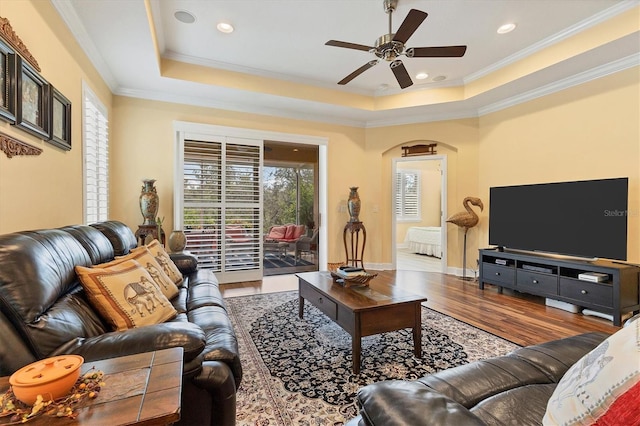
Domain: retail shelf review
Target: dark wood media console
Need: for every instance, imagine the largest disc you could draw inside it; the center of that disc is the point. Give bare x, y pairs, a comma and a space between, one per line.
557, 279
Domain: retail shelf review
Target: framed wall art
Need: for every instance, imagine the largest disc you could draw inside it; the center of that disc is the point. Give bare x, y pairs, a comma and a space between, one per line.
32, 100
60, 120
7, 83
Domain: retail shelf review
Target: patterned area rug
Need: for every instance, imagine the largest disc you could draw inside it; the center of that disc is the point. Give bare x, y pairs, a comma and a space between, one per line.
298, 371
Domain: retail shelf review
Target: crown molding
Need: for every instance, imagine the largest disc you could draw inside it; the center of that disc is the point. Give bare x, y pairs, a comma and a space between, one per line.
565, 83
605, 15
71, 18
228, 106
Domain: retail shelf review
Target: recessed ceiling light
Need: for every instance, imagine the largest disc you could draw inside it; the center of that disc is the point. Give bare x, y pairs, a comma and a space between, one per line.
224, 27
439, 78
184, 16
422, 75
295, 149
383, 87
506, 28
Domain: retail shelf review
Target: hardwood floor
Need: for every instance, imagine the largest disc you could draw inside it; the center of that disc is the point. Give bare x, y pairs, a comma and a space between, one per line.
520, 318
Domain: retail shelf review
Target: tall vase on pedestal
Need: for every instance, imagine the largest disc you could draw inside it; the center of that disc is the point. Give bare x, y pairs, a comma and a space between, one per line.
149, 202
353, 204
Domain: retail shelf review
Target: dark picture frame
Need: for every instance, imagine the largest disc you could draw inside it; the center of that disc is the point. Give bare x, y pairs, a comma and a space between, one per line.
7, 83
32, 100
59, 120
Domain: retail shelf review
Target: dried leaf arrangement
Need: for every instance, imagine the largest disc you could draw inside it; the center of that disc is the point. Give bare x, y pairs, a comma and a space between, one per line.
86, 388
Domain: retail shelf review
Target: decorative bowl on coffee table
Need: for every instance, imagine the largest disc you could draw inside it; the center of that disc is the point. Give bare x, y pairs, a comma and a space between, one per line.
362, 279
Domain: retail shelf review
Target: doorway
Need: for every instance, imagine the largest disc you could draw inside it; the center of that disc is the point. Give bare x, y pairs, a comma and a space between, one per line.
290, 197
419, 213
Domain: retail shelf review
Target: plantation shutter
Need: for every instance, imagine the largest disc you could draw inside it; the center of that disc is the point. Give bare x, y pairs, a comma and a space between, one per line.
95, 128
222, 206
408, 198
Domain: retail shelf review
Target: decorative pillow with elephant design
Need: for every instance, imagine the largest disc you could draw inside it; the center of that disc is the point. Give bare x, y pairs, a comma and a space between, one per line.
126, 296
143, 256
164, 260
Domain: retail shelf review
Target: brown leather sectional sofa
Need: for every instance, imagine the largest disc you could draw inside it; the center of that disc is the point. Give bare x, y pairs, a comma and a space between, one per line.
44, 312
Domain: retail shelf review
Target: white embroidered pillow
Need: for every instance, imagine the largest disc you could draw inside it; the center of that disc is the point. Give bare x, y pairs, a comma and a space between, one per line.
603, 386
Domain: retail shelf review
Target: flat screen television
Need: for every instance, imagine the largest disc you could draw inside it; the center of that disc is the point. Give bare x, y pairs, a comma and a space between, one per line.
585, 219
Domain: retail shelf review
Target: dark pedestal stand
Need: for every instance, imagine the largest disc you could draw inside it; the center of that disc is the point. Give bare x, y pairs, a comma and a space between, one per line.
149, 230
464, 256
352, 246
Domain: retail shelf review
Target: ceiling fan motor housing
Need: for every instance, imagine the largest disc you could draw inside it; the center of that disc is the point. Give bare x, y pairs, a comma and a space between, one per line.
387, 48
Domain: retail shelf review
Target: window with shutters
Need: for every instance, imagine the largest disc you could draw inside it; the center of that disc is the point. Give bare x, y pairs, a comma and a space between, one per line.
95, 143
222, 203
408, 195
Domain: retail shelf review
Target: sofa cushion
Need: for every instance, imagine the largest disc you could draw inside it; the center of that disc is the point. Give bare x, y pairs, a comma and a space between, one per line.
603, 387
291, 229
126, 297
120, 235
277, 232
165, 261
403, 403
143, 256
58, 311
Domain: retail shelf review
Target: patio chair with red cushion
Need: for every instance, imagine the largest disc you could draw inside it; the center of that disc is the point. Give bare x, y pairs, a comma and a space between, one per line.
289, 233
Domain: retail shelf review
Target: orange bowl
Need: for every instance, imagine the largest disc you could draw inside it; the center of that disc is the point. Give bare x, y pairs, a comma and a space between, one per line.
52, 378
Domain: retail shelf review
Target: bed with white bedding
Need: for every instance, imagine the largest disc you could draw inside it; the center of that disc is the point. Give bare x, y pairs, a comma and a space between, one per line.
424, 240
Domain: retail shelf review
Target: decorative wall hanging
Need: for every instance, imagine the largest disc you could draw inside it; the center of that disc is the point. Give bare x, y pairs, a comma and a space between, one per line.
32, 100
27, 100
423, 149
8, 35
60, 120
12, 147
7, 83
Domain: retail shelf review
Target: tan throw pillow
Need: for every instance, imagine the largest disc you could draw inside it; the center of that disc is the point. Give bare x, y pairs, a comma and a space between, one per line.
144, 257
126, 297
165, 261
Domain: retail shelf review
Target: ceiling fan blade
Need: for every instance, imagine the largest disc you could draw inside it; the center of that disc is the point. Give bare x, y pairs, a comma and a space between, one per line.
401, 74
357, 72
347, 45
437, 52
409, 25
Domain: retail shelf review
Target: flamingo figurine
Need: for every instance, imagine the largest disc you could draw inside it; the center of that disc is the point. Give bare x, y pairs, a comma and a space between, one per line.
467, 219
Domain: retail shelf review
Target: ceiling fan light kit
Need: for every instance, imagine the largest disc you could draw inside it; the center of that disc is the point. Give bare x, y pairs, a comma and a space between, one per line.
390, 46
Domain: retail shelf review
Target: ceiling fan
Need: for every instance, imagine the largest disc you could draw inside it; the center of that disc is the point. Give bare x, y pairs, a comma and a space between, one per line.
392, 45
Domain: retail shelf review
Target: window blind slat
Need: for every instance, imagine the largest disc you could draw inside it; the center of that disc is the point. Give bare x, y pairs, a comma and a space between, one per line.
96, 157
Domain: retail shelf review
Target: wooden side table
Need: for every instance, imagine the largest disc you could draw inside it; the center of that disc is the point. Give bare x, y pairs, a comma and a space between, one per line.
352, 246
141, 389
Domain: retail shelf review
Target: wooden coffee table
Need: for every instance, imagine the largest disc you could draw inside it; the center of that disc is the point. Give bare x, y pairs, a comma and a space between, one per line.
141, 389
381, 307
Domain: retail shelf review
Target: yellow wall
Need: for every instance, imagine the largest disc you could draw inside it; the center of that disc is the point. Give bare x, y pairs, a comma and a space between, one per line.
46, 190
589, 131
143, 146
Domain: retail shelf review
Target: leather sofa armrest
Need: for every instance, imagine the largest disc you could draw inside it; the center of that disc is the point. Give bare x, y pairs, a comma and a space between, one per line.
185, 261
188, 336
403, 403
